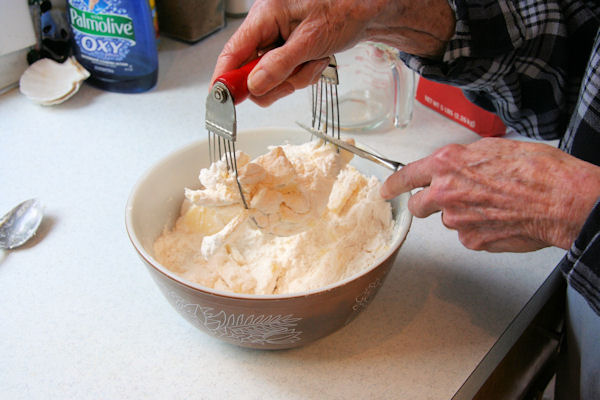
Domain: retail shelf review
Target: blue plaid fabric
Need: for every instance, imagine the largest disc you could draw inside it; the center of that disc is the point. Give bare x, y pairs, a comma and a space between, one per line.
536, 65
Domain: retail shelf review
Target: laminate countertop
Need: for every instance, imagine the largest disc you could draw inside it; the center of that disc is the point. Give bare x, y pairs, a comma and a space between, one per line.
81, 318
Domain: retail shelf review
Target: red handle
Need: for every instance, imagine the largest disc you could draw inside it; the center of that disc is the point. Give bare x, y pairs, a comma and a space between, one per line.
237, 81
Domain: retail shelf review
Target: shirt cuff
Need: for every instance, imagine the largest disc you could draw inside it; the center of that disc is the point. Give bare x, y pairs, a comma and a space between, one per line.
581, 265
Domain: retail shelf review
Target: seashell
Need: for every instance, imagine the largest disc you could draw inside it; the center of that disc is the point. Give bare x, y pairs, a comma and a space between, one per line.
48, 82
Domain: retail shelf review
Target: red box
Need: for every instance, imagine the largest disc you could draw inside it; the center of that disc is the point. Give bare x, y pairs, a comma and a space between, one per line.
452, 103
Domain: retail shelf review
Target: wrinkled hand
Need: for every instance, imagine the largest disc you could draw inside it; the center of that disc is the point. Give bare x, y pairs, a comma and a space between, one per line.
502, 195
305, 32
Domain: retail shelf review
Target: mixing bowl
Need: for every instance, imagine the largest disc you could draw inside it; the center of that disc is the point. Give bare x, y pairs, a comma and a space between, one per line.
256, 321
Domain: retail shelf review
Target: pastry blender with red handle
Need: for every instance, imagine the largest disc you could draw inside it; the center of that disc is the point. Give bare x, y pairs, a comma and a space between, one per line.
231, 88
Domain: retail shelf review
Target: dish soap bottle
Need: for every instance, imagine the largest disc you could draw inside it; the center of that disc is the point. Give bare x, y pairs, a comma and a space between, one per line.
115, 41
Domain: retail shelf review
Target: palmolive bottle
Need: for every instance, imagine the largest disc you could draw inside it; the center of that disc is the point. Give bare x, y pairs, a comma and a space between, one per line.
115, 41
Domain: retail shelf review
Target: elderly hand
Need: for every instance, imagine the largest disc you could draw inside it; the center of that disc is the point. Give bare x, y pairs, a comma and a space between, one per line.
305, 32
502, 195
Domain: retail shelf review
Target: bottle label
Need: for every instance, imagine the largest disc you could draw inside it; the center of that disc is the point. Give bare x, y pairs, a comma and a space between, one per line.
103, 32
114, 26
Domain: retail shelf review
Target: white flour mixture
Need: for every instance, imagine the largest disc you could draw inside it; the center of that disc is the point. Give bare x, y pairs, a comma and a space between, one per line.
328, 219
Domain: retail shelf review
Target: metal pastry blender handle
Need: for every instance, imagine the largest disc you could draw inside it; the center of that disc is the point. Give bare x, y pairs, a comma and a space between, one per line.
236, 81
228, 90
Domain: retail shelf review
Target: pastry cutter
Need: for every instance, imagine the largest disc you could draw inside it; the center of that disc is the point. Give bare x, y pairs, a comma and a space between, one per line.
231, 88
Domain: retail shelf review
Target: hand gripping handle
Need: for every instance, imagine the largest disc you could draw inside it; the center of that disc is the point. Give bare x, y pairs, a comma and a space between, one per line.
237, 81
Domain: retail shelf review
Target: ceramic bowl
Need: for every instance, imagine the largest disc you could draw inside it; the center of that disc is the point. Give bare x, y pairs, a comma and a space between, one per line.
256, 321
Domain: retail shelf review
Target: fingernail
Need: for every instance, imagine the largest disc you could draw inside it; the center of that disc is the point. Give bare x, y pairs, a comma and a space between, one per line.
258, 82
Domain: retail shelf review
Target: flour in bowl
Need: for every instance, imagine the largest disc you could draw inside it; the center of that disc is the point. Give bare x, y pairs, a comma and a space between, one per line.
320, 220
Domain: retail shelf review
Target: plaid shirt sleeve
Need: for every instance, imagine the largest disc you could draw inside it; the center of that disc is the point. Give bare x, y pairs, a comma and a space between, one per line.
536, 64
523, 60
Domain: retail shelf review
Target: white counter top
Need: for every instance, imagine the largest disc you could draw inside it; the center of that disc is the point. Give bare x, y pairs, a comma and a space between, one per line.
81, 318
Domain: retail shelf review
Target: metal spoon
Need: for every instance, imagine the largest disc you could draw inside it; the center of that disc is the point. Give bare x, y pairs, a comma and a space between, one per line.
20, 224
